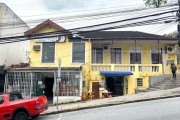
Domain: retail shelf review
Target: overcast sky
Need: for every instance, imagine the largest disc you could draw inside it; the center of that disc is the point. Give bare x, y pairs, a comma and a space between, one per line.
38, 10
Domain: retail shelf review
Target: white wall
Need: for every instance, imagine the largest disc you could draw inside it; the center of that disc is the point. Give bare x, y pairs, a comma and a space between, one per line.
12, 53
66, 99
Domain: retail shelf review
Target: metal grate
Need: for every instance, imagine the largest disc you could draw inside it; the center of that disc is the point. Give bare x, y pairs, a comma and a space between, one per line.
21, 82
139, 82
70, 84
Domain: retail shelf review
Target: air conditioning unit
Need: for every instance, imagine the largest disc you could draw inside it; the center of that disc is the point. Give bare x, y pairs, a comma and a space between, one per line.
36, 47
170, 49
106, 47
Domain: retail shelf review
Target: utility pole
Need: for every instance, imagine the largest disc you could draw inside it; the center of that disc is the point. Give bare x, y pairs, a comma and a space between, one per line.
58, 80
178, 15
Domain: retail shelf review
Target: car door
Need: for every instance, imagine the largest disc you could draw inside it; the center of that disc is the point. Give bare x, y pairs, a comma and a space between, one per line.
3, 109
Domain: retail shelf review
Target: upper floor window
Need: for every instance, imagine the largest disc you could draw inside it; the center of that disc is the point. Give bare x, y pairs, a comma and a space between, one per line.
135, 55
156, 55
97, 55
78, 53
48, 52
116, 55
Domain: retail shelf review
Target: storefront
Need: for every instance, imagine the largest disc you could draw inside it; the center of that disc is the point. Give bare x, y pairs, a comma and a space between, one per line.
116, 82
31, 82
2, 78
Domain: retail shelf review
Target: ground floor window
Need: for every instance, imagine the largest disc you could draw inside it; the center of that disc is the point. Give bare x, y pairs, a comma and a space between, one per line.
139, 82
31, 84
69, 84
22, 82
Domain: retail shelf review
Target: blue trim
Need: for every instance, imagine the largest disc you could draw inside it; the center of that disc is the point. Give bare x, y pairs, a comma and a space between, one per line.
114, 73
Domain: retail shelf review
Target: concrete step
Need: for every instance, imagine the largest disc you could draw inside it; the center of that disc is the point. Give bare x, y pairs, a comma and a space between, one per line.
164, 84
152, 89
165, 87
174, 80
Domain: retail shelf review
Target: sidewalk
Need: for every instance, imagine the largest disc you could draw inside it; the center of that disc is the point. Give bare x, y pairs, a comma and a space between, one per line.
114, 101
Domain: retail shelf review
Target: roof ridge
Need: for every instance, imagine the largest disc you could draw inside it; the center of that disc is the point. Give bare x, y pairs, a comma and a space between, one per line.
39, 26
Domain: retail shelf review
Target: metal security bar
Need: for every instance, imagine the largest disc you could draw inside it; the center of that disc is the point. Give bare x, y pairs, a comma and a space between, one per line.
69, 84
22, 82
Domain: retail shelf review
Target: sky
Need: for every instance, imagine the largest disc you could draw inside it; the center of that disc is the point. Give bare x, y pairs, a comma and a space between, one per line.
68, 14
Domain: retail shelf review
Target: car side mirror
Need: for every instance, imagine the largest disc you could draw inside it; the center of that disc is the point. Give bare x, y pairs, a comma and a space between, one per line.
1, 100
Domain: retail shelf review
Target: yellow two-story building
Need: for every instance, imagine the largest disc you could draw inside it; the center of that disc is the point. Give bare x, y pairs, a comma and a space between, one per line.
121, 62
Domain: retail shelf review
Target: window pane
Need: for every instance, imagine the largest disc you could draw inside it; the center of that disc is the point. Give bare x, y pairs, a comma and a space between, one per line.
48, 52
139, 82
156, 56
70, 84
97, 55
116, 55
135, 57
78, 53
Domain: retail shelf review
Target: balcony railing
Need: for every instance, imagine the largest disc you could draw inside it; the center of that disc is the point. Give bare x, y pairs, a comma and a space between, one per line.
128, 67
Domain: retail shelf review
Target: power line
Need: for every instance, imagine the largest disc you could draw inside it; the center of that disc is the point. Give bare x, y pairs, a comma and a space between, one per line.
130, 10
105, 23
20, 38
5, 25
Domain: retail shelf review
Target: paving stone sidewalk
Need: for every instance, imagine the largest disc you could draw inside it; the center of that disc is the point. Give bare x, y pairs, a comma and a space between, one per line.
154, 95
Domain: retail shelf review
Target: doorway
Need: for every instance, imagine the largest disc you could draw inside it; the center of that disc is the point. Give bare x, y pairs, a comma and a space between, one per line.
115, 85
110, 82
48, 90
95, 89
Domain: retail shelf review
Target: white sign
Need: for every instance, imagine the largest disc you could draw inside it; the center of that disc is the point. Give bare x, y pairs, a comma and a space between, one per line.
101, 88
76, 76
59, 80
101, 82
39, 82
50, 39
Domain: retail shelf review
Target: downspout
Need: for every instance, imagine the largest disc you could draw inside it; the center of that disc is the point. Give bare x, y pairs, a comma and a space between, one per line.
90, 47
111, 54
135, 53
158, 53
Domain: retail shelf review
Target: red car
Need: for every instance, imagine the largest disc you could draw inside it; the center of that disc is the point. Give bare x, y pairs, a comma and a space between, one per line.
13, 106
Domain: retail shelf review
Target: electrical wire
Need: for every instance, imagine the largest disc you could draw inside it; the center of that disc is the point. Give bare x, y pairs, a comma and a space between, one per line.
3, 39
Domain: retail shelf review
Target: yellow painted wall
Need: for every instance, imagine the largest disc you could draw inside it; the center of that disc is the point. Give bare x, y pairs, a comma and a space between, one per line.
64, 52
146, 59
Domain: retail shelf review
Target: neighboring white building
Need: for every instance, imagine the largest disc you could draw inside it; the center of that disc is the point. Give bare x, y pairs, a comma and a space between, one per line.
12, 25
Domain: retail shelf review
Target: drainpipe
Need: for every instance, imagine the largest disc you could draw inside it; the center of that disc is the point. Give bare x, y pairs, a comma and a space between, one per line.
90, 49
135, 53
111, 53
158, 53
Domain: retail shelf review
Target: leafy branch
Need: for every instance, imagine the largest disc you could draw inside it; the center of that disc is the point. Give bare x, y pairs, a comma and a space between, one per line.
156, 3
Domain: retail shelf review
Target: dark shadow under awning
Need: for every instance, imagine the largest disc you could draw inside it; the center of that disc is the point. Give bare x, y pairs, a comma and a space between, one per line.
114, 73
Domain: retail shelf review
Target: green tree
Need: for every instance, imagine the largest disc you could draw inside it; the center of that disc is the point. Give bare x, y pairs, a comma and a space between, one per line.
156, 3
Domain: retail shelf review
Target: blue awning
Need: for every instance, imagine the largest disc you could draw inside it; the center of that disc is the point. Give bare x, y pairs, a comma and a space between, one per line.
114, 73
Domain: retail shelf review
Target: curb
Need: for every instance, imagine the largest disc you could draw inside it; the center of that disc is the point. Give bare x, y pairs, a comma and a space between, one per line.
109, 104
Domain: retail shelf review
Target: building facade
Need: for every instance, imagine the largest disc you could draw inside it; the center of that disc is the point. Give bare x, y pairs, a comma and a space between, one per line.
12, 53
42, 74
126, 61
122, 62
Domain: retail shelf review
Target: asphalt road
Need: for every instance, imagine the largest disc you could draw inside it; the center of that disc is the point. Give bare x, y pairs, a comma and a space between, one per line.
164, 109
